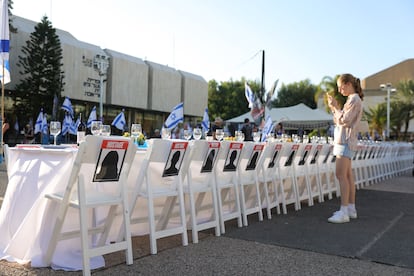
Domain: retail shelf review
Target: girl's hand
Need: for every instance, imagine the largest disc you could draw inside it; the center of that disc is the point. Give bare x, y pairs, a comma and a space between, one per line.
332, 102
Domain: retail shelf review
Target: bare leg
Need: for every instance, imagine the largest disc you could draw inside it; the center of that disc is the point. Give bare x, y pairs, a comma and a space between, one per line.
343, 168
351, 181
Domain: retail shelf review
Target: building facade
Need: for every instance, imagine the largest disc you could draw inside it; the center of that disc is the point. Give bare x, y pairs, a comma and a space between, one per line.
146, 91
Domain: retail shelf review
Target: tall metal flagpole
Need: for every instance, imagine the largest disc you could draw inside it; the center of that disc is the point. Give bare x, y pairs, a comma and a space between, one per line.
262, 88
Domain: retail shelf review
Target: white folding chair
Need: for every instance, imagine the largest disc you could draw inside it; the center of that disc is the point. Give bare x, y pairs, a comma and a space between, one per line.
328, 186
268, 177
200, 187
100, 161
248, 168
301, 174
313, 172
286, 175
225, 173
160, 182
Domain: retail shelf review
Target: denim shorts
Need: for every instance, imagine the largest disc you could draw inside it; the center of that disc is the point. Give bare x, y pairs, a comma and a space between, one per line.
343, 150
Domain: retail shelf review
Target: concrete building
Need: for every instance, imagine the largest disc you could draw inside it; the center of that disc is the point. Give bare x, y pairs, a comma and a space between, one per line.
147, 91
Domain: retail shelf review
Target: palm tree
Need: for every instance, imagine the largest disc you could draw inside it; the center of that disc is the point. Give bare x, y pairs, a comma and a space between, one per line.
376, 116
405, 99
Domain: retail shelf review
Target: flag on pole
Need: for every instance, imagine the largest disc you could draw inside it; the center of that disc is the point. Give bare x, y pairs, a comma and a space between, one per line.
270, 95
39, 123
45, 129
119, 122
4, 42
6, 76
249, 95
267, 129
205, 124
92, 117
176, 116
67, 124
67, 106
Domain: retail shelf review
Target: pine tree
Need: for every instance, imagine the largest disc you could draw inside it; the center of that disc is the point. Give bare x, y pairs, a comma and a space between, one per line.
41, 65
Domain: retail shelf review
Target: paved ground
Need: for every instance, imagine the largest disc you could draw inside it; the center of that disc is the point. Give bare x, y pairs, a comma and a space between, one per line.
379, 242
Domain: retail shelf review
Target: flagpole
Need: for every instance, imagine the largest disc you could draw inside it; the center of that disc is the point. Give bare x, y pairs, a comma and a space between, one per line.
2, 112
262, 88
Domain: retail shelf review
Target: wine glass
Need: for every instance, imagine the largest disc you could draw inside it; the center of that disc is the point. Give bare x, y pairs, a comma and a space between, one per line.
187, 134
136, 130
106, 130
165, 133
55, 129
219, 134
197, 133
238, 135
96, 127
256, 136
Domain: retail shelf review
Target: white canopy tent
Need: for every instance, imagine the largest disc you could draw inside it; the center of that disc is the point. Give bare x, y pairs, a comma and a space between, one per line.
293, 117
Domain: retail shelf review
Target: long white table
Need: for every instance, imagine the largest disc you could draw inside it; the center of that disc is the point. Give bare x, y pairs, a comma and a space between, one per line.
27, 217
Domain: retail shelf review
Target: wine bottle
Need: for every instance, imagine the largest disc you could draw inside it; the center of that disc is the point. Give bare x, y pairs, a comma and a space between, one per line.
80, 134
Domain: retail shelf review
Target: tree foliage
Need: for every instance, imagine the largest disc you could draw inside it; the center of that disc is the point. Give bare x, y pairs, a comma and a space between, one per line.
40, 65
296, 93
227, 99
405, 104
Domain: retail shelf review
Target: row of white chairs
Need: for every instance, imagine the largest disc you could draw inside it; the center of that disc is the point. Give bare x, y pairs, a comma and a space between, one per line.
200, 185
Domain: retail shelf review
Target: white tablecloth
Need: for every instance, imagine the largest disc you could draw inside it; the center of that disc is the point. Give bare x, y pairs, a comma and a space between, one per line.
27, 217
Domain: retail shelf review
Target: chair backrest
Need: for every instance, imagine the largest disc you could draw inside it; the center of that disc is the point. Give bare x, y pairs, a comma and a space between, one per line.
204, 156
227, 161
250, 156
304, 151
232, 156
102, 159
166, 161
288, 155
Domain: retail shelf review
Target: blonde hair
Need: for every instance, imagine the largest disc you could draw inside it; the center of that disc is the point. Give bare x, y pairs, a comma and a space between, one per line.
356, 83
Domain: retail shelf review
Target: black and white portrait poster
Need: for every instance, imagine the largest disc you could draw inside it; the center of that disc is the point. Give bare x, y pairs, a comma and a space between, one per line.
275, 156
233, 156
175, 158
254, 157
211, 157
110, 160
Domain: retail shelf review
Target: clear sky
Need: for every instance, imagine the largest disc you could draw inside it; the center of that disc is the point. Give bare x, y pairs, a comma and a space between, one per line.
223, 39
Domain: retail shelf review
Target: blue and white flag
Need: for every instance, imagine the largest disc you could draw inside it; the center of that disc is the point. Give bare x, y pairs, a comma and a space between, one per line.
4, 42
119, 122
67, 123
267, 129
205, 124
176, 116
45, 129
67, 106
92, 117
6, 77
75, 125
39, 123
249, 95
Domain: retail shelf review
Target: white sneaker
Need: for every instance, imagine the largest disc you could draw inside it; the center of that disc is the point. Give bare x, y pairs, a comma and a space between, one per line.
352, 214
339, 217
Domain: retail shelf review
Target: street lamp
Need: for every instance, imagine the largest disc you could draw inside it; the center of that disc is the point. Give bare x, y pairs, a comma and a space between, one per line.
389, 89
101, 64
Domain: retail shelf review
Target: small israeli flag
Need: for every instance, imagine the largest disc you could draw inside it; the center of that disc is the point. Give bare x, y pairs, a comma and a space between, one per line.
205, 124
175, 117
267, 128
119, 122
92, 117
67, 105
39, 122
